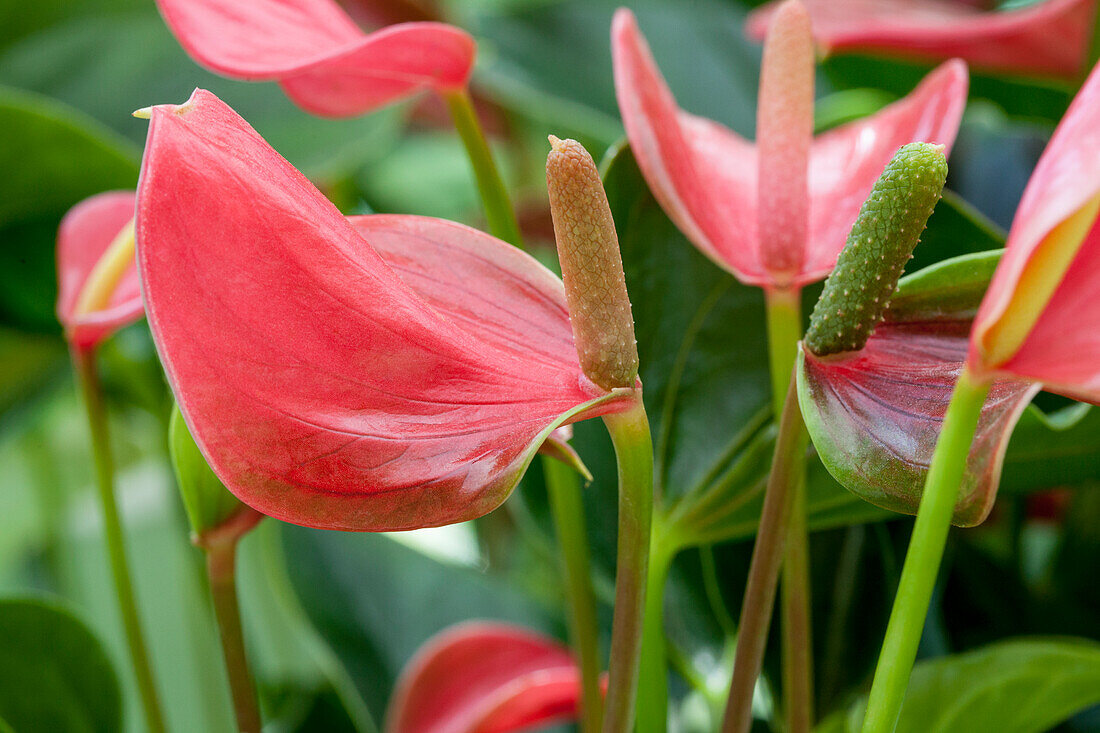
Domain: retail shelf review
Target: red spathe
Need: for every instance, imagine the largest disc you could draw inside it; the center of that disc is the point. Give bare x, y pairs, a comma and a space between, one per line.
320, 57
379, 373
485, 677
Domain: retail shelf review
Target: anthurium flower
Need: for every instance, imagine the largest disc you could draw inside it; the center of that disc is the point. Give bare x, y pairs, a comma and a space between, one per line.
323, 61
875, 414
485, 677
85, 240
1039, 321
372, 373
1049, 38
705, 175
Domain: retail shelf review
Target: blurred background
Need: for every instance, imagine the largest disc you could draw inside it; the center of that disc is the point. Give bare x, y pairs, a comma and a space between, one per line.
331, 618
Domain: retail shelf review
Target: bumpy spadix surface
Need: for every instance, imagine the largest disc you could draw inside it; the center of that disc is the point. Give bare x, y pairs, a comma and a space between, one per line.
874, 415
323, 61
705, 175
483, 677
85, 234
1041, 317
1050, 37
382, 373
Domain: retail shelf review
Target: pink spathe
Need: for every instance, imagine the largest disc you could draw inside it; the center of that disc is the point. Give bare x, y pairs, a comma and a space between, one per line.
377, 373
321, 58
705, 175
1049, 38
85, 233
1062, 348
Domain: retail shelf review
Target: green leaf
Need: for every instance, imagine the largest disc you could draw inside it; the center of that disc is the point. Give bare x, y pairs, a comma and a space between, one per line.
1029, 98
1017, 686
31, 362
114, 63
54, 674
52, 158
552, 62
207, 502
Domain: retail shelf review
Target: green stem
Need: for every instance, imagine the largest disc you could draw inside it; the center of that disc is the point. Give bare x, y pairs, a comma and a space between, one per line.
798, 680
767, 559
87, 377
652, 707
494, 196
277, 578
784, 314
922, 562
634, 450
221, 560
563, 487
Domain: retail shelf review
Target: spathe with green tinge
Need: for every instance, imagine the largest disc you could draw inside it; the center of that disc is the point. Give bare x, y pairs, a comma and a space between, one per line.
874, 414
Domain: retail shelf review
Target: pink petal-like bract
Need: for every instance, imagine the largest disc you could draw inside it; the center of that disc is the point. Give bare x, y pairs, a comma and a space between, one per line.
323, 61
1049, 38
875, 415
1062, 349
704, 175
377, 373
485, 677
85, 234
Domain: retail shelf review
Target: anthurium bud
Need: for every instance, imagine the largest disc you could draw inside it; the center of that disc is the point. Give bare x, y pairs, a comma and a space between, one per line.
881, 242
592, 268
208, 504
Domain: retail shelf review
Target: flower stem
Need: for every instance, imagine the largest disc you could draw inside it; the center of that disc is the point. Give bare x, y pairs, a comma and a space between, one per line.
564, 490
652, 707
634, 450
277, 578
88, 380
494, 196
784, 314
783, 309
221, 558
767, 558
797, 631
922, 562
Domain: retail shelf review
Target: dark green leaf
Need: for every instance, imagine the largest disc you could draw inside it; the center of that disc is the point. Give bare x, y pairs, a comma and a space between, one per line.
115, 63
52, 158
1017, 686
1020, 97
54, 674
552, 61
